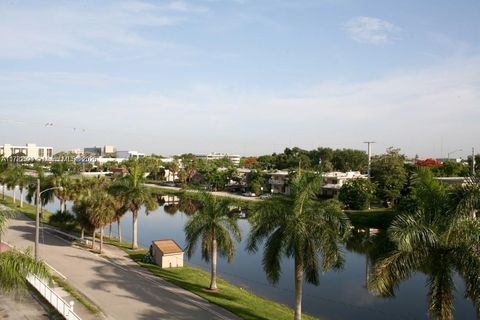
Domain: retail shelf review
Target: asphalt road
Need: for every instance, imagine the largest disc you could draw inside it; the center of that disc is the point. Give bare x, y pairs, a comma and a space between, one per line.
122, 289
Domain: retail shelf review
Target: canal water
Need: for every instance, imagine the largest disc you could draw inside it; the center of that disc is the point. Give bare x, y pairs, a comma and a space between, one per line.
340, 295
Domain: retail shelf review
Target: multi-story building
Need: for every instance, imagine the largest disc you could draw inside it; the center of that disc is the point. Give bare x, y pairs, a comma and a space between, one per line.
100, 151
235, 158
333, 181
29, 150
278, 182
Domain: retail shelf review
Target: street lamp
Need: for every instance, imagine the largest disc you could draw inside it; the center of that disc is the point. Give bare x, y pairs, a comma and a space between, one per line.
37, 220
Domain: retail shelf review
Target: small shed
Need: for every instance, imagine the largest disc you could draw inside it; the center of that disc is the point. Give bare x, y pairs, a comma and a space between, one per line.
167, 253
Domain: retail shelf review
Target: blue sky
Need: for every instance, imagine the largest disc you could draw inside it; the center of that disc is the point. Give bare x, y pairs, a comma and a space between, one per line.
242, 76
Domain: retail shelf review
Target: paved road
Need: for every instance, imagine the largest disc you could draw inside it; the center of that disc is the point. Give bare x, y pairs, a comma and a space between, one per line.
216, 193
122, 289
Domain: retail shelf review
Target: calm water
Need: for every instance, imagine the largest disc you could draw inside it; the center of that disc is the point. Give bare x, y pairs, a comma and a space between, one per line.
341, 295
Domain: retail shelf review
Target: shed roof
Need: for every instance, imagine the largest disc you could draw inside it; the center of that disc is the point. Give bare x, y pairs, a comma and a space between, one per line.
167, 246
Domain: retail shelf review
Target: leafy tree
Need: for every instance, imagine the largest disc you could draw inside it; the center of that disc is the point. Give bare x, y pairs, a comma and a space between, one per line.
357, 194
298, 226
215, 229
389, 174
255, 181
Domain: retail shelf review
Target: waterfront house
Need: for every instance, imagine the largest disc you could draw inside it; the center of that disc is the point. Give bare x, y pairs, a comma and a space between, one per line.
333, 181
167, 253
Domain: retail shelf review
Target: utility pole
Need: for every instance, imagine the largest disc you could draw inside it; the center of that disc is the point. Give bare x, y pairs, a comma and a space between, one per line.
37, 220
369, 151
473, 162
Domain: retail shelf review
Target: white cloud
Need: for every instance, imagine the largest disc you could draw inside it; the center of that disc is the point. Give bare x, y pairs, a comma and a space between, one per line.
371, 30
110, 28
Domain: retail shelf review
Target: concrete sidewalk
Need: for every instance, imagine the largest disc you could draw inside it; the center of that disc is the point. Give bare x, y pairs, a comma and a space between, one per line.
121, 288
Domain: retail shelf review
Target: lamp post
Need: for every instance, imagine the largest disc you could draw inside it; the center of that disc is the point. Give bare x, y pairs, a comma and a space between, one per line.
37, 219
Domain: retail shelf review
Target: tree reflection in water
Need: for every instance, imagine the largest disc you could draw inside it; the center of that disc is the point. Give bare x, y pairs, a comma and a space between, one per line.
436, 239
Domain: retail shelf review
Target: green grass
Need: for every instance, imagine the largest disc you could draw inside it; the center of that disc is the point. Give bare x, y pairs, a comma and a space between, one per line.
241, 302
77, 295
375, 218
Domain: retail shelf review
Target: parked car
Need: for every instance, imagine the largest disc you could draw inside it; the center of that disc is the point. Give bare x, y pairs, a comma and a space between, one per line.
265, 196
249, 194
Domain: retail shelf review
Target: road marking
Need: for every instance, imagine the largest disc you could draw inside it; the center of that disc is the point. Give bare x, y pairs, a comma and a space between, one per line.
56, 271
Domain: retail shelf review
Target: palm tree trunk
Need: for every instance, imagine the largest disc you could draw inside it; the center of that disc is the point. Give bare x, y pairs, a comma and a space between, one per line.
3, 191
101, 239
65, 206
213, 282
61, 206
21, 197
14, 198
82, 234
93, 240
135, 230
298, 288
119, 230
110, 234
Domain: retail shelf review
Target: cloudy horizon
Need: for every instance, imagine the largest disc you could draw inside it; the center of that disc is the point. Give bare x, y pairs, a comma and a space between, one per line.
241, 76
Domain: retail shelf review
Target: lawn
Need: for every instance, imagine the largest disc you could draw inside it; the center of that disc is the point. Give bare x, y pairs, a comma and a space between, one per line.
375, 218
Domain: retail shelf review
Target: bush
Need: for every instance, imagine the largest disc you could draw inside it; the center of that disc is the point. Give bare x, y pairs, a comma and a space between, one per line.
356, 194
61, 218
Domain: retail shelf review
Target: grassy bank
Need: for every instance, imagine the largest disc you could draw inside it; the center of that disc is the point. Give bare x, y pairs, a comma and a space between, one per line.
375, 218
237, 300
77, 295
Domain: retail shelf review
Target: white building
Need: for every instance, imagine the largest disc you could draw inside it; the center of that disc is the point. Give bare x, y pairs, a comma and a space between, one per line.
167, 253
278, 182
235, 158
333, 181
129, 154
29, 150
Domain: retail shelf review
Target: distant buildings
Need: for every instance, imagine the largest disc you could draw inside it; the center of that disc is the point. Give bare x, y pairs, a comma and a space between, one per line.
235, 158
29, 150
100, 151
332, 181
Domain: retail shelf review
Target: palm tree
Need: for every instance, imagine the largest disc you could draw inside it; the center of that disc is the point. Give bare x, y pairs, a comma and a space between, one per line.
299, 226
100, 212
214, 227
3, 175
16, 266
120, 207
437, 239
136, 194
84, 190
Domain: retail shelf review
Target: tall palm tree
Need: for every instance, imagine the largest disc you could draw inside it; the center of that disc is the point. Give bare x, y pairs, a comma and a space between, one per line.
16, 266
120, 206
3, 174
437, 239
214, 227
23, 181
299, 226
136, 195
